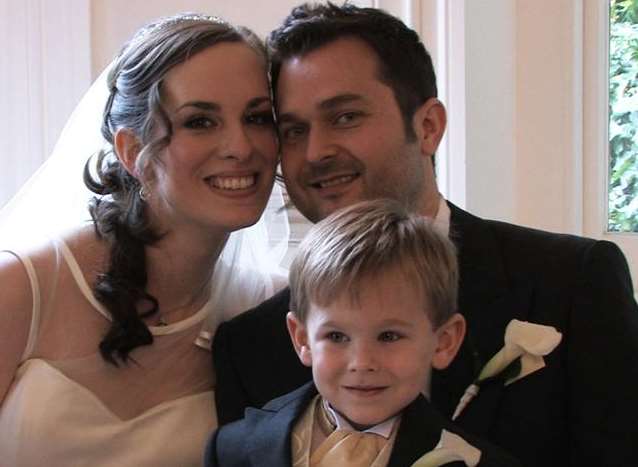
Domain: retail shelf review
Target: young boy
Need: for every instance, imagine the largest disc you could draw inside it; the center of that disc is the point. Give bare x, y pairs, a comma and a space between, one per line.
373, 299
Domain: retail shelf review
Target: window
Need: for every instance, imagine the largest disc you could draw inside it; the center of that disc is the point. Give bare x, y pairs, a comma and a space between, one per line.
600, 168
623, 116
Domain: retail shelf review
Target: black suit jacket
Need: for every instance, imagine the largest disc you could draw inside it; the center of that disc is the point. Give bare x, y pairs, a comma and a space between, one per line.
263, 437
580, 410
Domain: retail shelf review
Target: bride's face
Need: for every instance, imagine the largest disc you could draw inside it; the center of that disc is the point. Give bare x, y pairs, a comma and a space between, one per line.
218, 169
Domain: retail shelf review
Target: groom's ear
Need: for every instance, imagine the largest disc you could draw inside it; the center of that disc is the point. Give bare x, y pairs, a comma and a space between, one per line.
127, 148
299, 335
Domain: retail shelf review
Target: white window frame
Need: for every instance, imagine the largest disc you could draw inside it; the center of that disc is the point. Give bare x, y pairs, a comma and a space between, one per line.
596, 132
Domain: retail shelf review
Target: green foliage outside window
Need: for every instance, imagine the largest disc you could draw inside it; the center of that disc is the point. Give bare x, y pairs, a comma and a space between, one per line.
623, 116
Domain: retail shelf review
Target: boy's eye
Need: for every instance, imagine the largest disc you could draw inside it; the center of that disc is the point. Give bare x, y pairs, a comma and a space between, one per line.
335, 336
200, 123
389, 336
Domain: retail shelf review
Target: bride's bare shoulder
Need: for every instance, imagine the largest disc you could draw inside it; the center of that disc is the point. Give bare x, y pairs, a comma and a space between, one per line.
49, 255
16, 304
89, 251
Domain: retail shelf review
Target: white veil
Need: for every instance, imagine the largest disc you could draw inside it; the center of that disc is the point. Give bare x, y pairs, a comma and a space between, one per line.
55, 199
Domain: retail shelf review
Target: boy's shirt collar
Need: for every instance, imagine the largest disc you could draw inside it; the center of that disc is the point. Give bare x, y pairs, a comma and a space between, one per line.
442, 217
382, 429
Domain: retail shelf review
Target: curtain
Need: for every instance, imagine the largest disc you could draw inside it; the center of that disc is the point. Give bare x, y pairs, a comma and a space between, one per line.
44, 70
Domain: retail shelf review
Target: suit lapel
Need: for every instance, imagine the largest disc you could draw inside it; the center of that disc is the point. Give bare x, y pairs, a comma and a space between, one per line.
488, 301
271, 440
419, 433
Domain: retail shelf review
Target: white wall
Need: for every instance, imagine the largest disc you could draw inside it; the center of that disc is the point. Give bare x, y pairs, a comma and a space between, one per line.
490, 87
549, 176
522, 67
114, 21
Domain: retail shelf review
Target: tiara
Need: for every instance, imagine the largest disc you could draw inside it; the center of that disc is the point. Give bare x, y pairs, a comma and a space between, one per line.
169, 21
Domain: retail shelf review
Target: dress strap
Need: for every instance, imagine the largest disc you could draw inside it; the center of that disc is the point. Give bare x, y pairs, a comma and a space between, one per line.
35, 295
70, 260
79, 278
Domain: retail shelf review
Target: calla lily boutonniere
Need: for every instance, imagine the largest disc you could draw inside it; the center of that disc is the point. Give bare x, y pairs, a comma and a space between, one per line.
451, 448
525, 346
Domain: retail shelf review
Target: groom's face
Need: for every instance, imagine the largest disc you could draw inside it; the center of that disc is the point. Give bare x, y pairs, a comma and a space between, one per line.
342, 134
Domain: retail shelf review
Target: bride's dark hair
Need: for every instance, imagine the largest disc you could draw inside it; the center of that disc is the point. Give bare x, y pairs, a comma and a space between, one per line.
119, 212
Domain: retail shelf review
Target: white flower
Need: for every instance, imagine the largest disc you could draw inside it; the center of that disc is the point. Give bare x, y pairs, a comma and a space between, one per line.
535, 339
451, 448
529, 341
526, 340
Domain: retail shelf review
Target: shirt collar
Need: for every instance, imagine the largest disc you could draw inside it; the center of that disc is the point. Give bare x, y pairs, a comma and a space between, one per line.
442, 217
382, 429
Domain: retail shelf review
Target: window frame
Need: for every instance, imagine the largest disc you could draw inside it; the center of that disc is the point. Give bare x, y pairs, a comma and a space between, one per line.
596, 133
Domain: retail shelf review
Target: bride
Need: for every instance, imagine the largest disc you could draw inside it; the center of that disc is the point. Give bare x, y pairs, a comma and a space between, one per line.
105, 328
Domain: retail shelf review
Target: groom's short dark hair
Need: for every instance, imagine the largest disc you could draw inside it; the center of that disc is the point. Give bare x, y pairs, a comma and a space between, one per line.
404, 63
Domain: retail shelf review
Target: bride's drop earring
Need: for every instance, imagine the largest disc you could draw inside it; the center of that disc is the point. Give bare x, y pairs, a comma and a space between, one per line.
143, 193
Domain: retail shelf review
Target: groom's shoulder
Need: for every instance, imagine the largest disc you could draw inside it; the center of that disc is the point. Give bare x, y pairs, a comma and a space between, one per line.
474, 229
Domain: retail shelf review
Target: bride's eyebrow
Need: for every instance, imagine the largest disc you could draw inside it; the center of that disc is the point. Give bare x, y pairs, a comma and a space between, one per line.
201, 105
215, 107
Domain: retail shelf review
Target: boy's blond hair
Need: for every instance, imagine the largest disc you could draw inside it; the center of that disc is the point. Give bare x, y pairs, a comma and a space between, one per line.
364, 240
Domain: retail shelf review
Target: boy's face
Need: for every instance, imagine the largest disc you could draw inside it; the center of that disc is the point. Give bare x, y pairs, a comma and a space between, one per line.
371, 358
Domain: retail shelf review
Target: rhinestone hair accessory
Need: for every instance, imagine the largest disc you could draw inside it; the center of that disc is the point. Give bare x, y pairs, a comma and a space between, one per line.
144, 34
166, 22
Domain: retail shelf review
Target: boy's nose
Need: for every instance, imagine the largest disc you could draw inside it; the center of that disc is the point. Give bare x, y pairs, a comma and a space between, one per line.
363, 358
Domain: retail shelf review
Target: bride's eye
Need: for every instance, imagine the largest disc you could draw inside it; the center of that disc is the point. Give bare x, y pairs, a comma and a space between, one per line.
200, 123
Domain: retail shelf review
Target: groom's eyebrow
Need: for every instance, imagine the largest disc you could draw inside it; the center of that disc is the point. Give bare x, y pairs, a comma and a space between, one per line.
339, 100
326, 105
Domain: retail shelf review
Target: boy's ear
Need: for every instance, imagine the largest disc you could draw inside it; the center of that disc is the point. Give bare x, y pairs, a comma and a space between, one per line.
450, 336
127, 148
299, 336
429, 123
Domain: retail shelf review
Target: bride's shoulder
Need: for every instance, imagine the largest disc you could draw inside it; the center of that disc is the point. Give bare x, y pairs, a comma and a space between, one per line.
79, 245
36, 251
84, 248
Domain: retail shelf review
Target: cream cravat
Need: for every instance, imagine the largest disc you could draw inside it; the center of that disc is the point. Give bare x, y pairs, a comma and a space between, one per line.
347, 449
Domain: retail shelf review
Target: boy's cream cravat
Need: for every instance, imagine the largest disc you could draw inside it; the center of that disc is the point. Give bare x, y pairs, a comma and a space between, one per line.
348, 448
344, 448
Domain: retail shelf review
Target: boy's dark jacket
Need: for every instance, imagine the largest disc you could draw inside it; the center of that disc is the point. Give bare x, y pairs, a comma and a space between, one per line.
263, 437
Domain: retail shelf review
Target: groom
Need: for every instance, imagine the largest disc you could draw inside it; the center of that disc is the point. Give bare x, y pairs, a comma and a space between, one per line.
356, 100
